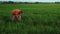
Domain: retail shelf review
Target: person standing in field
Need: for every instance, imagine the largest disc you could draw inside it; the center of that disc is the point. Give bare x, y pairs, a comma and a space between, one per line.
16, 13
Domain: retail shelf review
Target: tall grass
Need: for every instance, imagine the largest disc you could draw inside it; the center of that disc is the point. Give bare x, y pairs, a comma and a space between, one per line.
37, 19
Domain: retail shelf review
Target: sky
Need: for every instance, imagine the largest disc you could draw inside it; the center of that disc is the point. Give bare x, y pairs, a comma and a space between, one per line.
32, 0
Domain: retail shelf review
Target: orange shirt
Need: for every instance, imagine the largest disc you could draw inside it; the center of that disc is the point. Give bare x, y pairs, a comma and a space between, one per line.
16, 12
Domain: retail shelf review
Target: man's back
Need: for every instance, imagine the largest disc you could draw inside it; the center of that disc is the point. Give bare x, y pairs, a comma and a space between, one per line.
16, 11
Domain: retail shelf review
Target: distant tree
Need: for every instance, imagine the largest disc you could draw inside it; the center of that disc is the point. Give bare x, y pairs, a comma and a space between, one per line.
10, 2
4, 2
21, 2
57, 2
26, 2
36, 2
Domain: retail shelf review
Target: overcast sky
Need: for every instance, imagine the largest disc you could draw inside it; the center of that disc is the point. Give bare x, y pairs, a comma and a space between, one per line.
32, 0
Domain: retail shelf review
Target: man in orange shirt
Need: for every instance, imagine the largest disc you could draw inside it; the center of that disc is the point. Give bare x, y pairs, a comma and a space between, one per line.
17, 13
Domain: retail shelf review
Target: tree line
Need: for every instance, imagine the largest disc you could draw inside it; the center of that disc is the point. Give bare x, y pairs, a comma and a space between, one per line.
11, 2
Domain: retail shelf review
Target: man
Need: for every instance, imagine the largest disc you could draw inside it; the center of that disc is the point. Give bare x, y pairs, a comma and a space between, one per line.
17, 13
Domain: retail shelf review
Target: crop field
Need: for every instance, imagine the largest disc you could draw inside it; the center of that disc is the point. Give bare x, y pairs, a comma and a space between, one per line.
36, 19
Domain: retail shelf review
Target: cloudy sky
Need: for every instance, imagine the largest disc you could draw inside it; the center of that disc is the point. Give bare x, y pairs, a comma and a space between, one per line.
32, 0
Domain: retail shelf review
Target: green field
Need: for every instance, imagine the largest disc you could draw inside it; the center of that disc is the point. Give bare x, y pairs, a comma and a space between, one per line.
37, 19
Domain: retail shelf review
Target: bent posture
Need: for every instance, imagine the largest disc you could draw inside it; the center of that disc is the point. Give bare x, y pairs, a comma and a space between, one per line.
17, 13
